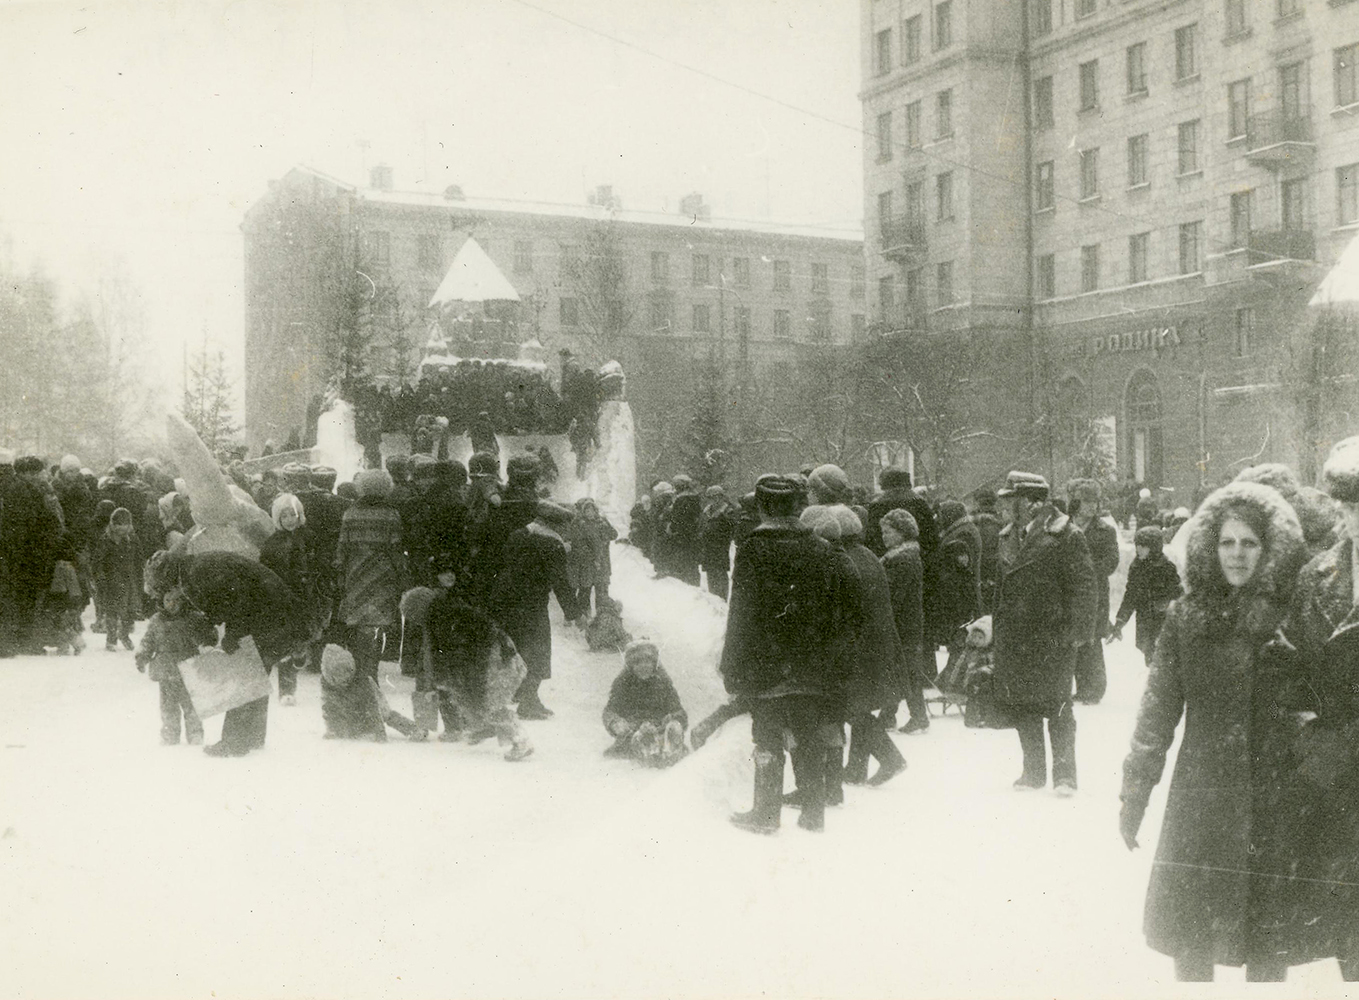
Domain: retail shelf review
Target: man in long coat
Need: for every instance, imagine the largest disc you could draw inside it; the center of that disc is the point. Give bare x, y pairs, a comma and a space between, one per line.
534, 567
1045, 610
1101, 538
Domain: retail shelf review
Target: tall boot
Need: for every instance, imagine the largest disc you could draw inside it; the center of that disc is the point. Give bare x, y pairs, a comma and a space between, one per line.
890, 761
809, 770
764, 815
835, 793
855, 772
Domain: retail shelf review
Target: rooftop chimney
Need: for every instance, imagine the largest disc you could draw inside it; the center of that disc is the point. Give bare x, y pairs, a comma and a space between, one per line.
453, 193
692, 206
380, 177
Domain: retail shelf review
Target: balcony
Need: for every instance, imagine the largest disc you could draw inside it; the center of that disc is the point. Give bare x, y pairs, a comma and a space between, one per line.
1276, 247
897, 319
902, 239
1275, 139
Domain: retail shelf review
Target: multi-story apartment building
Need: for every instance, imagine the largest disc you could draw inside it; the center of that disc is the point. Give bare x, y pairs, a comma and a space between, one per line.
1150, 190
692, 285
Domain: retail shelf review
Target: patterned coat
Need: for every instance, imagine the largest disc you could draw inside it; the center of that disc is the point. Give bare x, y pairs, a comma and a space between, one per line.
371, 560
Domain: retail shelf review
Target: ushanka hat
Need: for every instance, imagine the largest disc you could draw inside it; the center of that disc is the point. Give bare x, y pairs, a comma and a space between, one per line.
1028, 485
1341, 471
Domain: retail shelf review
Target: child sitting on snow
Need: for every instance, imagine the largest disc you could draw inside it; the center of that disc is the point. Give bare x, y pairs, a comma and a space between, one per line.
606, 630
644, 714
173, 635
353, 706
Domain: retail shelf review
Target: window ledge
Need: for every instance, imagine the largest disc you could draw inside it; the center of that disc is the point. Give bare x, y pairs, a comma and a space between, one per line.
1236, 140
1091, 200
1185, 81
1092, 110
1289, 18
1240, 36
1193, 174
1346, 109
1144, 186
1136, 95
939, 139
1050, 210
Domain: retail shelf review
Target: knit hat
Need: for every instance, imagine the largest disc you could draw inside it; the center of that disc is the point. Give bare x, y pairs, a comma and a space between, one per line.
828, 484
902, 522
639, 648
554, 515
121, 517
373, 483
850, 525
1149, 537
69, 463
822, 520
286, 501
337, 665
1341, 471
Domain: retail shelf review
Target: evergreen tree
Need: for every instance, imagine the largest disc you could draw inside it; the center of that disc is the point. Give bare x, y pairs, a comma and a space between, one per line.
207, 399
707, 445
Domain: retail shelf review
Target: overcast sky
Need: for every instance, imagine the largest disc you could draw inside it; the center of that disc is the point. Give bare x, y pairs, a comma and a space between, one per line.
136, 134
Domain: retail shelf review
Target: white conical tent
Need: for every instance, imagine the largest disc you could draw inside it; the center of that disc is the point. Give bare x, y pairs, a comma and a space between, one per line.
473, 277
1341, 284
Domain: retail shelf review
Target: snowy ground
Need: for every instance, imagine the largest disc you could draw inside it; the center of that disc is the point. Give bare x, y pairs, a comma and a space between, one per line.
327, 869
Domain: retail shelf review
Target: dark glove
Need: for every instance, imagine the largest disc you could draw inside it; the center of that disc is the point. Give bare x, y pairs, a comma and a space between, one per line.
1130, 819
1115, 634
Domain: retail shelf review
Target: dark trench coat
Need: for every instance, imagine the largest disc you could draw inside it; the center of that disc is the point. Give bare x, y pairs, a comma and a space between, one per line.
533, 568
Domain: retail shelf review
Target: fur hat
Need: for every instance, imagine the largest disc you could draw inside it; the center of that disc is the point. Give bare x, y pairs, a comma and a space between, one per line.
662, 488
984, 498
950, 513
902, 522
286, 501
69, 463
28, 465
851, 527
1283, 550
1149, 537
894, 479
682, 482
1315, 511
822, 520
126, 469
323, 477
1084, 490
828, 484
638, 648
373, 483
295, 475
1341, 471
424, 467
337, 665
1029, 485
398, 465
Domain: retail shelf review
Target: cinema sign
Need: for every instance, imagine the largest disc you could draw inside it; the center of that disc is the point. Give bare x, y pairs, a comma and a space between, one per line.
1155, 339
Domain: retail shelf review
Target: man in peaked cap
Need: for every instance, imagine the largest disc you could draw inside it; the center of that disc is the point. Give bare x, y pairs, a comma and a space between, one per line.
1044, 612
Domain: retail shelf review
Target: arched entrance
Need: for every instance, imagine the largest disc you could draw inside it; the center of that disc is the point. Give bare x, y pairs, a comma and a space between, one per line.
1142, 406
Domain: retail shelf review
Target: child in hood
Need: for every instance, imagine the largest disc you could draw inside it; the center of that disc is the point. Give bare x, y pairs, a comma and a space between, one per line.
606, 630
352, 704
65, 600
1153, 582
978, 667
116, 562
173, 635
644, 714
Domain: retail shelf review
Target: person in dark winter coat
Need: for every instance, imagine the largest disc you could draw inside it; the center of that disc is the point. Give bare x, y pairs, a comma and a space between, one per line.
681, 527
1101, 538
715, 532
506, 512
289, 552
352, 704
1213, 897
250, 600
534, 568
747, 519
955, 598
173, 635
1045, 610
640, 526
588, 562
778, 652
897, 494
905, 579
115, 572
987, 523
1323, 836
644, 715
77, 504
1153, 582
662, 547
29, 528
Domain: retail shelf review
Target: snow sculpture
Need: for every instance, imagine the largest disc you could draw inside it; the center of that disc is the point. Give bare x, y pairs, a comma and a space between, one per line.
225, 517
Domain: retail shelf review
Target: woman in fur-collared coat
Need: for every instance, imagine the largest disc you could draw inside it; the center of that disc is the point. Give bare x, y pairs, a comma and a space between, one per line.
1213, 896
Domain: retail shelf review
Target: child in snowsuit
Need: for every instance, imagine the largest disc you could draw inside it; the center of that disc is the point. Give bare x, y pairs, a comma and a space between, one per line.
1153, 582
173, 635
353, 706
116, 565
588, 564
976, 668
644, 714
606, 630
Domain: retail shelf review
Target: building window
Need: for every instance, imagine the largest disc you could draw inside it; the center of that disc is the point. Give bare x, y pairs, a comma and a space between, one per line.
915, 290
1238, 108
1089, 173
943, 25
1089, 78
1090, 268
943, 190
887, 295
569, 312
740, 267
1137, 68
1189, 147
702, 318
943, 114
1144, 429
1046, 195
882, 52
820, 279
944, 281
1234, 13
913, 125
783, 326
1137, 160
523, 256
427, 252
884, 211
1240, 218
1347, 194
743, 321
857, 328
782, 276
660, 266
1186, 60
915, 203
1047, 276
1042, 17
1042, 102
910, 41
379, 249
1084, 8
1245, 331
884, 137
1346, 80
1291, 102
1191, 260
856, 281
701, 270
819, 321
658, 312
1293, 198
1137, 257
1287, 8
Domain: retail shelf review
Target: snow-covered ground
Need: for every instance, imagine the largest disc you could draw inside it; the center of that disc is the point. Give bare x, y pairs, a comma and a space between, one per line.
351, 870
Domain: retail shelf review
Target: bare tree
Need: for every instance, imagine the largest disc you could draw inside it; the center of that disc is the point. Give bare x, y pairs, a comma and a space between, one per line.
594, 277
